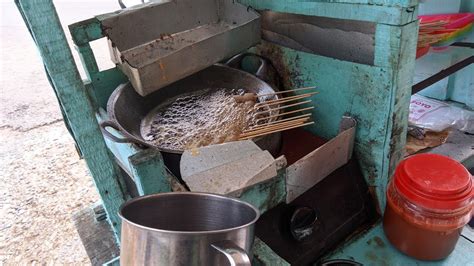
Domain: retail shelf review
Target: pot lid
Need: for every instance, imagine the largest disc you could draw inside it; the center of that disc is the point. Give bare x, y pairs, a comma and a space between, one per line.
434, 181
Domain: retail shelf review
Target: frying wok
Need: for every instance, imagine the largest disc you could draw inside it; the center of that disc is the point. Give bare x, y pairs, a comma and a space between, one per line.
126, 108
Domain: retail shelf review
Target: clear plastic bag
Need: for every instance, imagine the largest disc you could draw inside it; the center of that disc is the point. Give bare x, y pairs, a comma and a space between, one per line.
437, 116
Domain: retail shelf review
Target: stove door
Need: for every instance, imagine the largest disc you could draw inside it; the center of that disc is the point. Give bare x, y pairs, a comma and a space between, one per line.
323, 217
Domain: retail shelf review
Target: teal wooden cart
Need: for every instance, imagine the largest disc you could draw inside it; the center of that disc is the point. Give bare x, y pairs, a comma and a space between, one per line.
375, 92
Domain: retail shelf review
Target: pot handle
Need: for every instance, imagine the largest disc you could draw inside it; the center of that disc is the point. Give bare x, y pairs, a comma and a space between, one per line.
235, 254
265, 70
340, 262
236, 61
103, 127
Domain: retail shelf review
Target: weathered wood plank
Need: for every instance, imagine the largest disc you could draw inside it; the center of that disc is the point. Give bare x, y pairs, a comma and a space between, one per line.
388, 43
88, 60
404, 67
149, 172
403, 3
86, 31
96, 236
266, 195
104, 83
43, 22
121, 151
349, 9
113, 262
264, 255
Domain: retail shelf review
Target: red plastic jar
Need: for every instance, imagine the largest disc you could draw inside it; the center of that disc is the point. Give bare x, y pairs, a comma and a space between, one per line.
429, 200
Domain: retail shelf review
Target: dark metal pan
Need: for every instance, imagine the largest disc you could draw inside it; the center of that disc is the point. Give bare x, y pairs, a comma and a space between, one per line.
126, 108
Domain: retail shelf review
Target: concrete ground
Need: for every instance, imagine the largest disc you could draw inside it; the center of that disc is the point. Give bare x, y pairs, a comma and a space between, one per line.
43, 181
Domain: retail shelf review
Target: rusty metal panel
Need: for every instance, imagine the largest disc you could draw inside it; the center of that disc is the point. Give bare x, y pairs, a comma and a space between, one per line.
314, 167
157, 44
343, 39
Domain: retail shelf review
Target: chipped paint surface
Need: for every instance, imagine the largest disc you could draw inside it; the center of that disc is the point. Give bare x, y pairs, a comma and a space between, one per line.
267, 194
373, 248
390, 12
376, 96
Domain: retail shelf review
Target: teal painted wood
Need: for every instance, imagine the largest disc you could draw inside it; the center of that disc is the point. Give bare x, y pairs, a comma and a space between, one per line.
392, 15
461, 88
387, 45
43, 23
86, 31
377, 96
113, 262
145, 166
373, 248
460, 85
404, 67
403, 3
104, 83
344, 88
88, 60
268, 194
122, 151
467, 6
264, 255
149, 172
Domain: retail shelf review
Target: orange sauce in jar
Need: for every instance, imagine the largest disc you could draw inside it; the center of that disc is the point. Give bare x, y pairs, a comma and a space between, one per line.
429, 200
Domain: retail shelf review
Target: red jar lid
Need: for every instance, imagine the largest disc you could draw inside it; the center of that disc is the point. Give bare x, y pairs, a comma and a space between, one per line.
434, 181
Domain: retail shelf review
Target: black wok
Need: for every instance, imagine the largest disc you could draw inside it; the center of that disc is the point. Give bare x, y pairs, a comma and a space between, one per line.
127, 109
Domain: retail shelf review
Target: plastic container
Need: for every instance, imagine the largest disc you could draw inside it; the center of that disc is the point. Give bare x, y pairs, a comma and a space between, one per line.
429, 200
457, 28
421, 51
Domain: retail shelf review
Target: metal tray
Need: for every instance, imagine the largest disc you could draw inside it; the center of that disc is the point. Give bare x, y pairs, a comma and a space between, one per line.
157, 44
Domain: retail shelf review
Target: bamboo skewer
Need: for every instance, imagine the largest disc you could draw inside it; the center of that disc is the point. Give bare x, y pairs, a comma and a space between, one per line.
435, 23
278, 121
284, 100
285, 113
432, 32
281, 100
282, 107
434, 29
271, 129
426, 39
274, 131
268, 126
281, 92
274, 126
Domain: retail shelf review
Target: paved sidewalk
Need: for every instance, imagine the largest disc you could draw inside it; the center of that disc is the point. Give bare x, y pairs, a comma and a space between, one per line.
43, 182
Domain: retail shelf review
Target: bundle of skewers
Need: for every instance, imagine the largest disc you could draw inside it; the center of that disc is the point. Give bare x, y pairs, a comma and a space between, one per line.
428, 32
280, 114
442, 30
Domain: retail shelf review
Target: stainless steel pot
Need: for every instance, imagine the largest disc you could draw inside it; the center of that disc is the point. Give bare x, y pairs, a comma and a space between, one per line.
187, 228
126, 108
